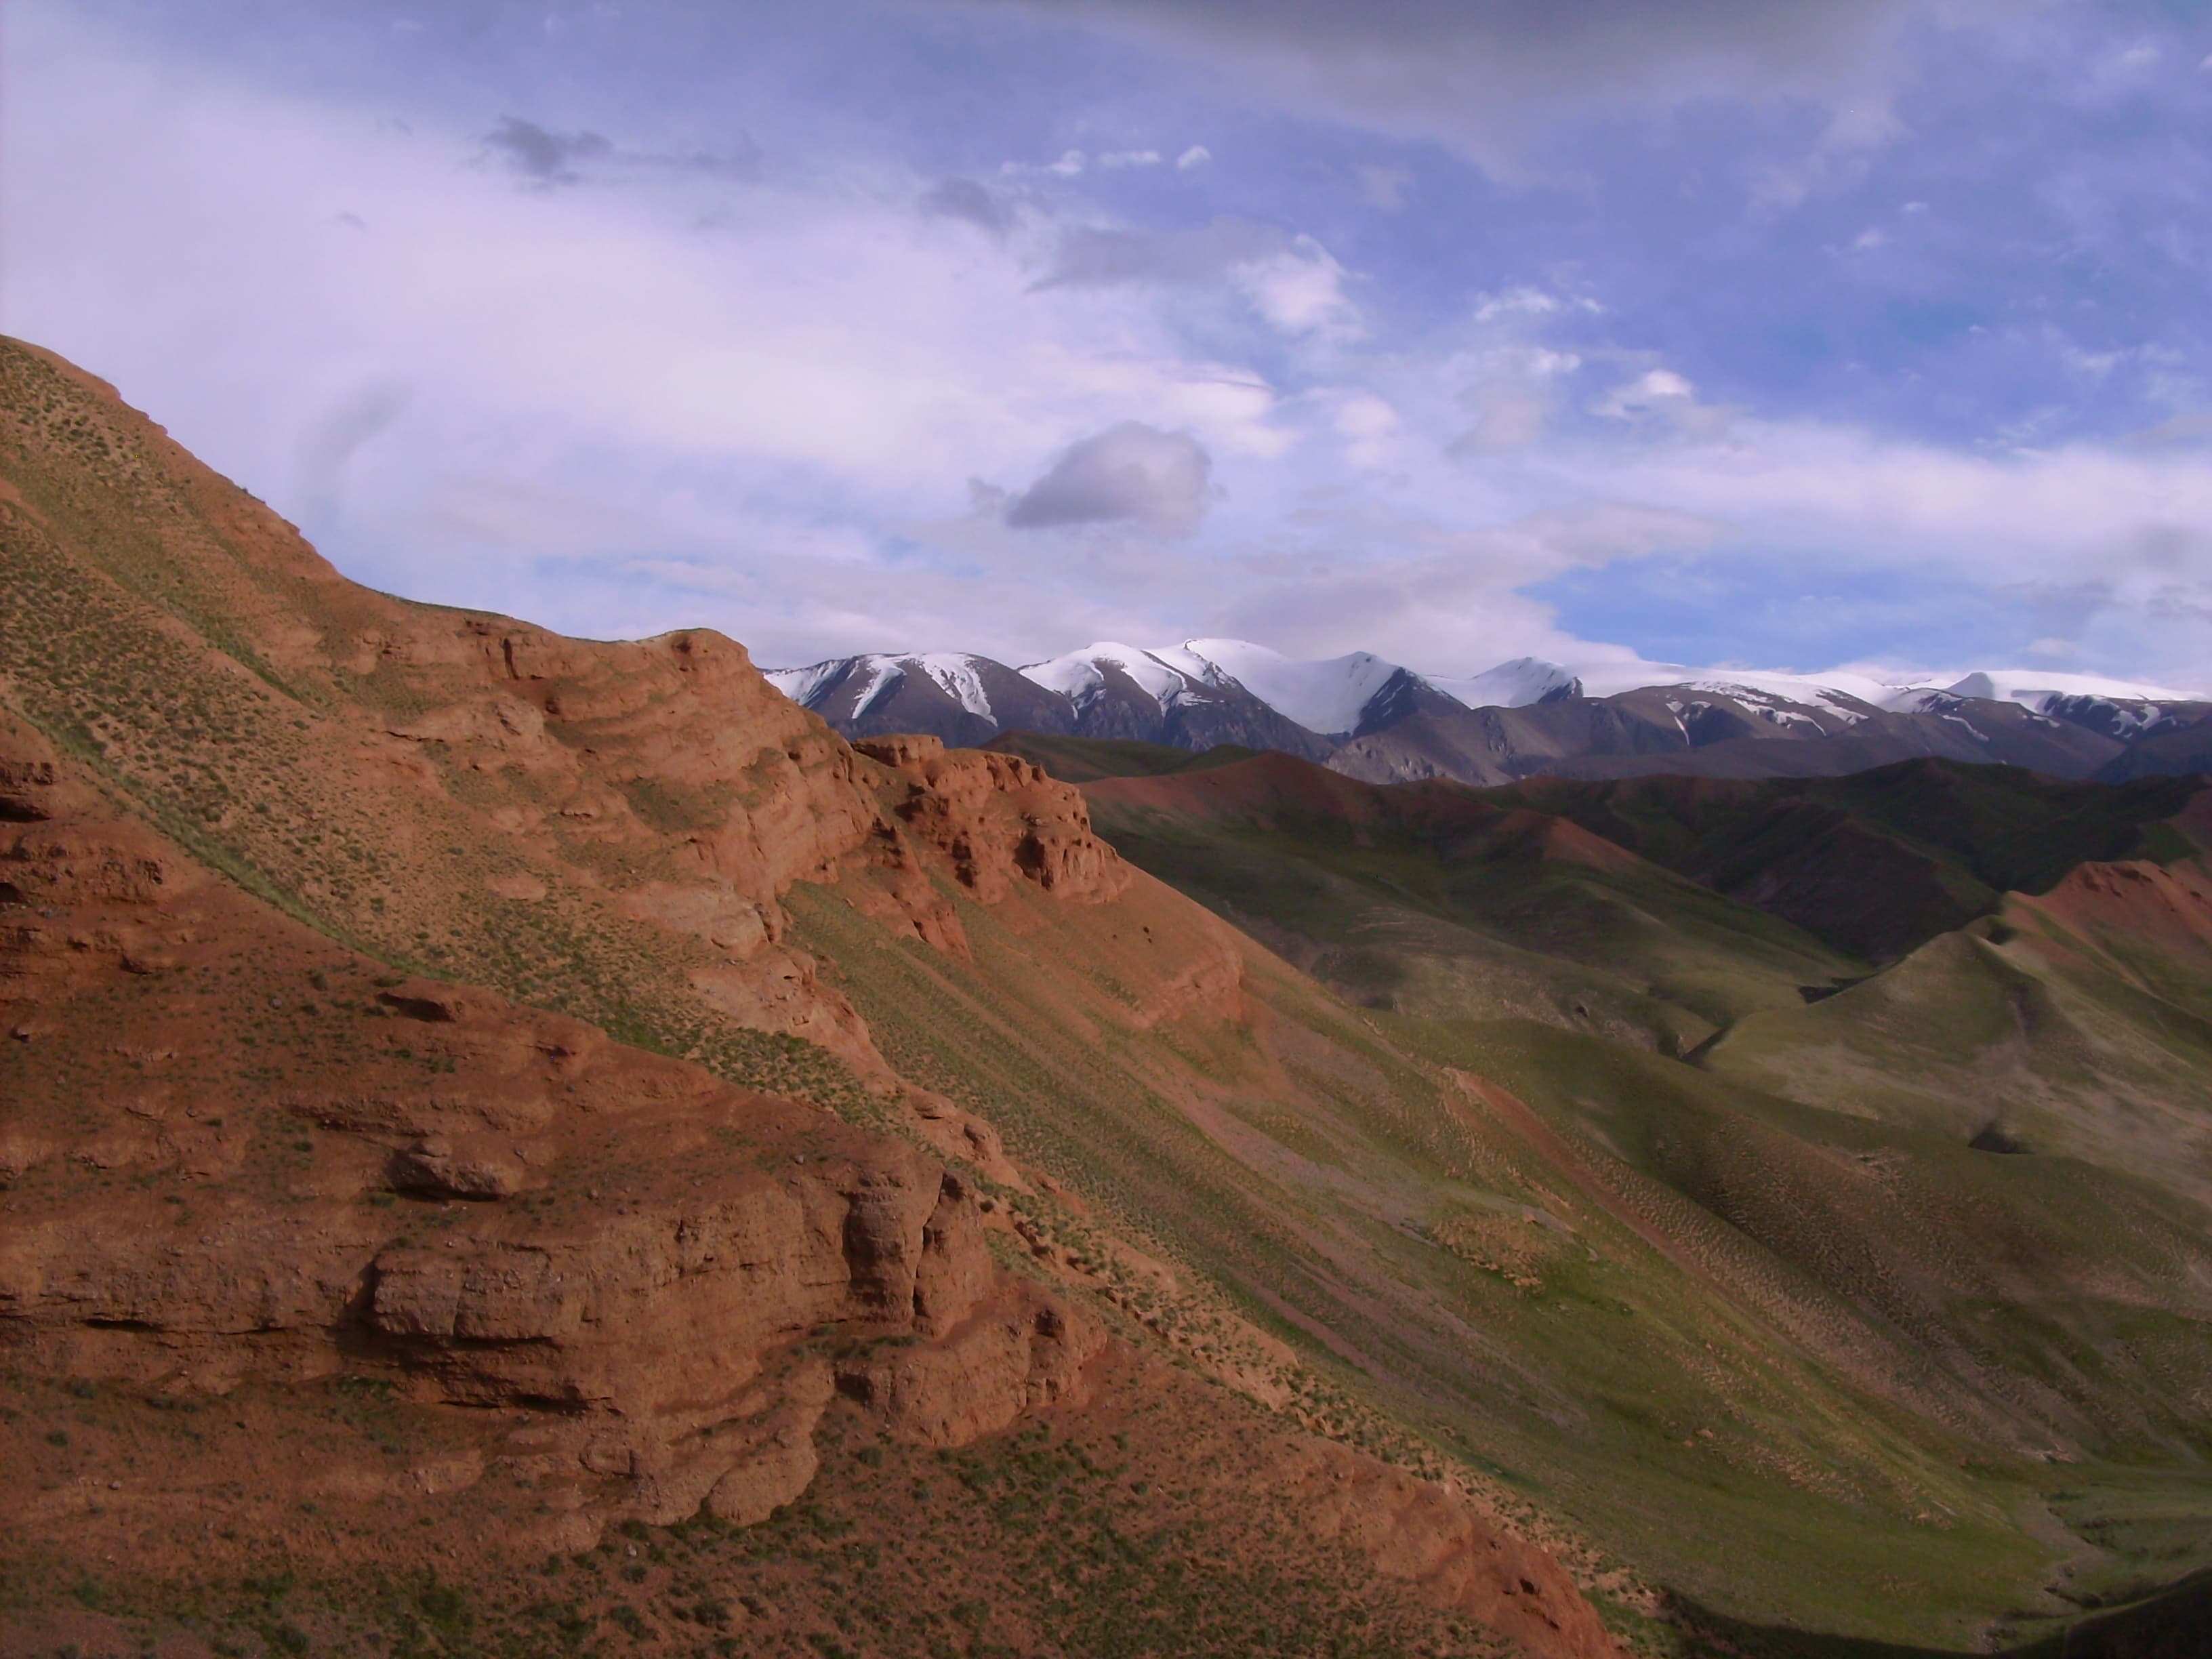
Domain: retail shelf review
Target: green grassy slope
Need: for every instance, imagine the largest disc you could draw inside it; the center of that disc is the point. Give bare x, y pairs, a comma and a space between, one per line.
1429, 899
1460, 1297
2045, 1309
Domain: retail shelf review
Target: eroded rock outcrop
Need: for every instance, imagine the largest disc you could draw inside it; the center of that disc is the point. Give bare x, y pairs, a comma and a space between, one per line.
1417, 1533
999, 819
1018, 1352
489, 1204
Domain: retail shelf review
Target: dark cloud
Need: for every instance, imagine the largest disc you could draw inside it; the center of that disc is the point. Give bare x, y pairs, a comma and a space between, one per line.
1131, 472
1096, 259
545, 156
964, 198
1478, 72
550, 157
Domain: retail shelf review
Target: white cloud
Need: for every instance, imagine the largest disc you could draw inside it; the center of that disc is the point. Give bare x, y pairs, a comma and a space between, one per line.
1367, 424
1196, 156
681, 396
1292, 282
700, 375
1838, 157
1069, 166
1300, 289
1513, 394
1527, 302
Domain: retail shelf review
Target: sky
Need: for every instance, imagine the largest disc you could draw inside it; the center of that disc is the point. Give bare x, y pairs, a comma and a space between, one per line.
1848, 332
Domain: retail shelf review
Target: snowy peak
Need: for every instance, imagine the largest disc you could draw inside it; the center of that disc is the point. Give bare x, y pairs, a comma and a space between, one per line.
1513, 684
1106, 689
2034, 687
1082, 676
875, 676
960, 697
855, 683
1332, 696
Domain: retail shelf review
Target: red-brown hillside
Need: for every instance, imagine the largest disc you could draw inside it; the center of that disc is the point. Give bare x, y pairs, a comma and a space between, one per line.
1275, 791
422, 1194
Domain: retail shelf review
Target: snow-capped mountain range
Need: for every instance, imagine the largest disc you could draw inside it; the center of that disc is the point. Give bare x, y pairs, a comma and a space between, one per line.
1373, 717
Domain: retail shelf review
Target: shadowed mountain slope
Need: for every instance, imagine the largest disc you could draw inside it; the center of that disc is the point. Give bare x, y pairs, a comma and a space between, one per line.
1881, 860
1719, 732
1083, 760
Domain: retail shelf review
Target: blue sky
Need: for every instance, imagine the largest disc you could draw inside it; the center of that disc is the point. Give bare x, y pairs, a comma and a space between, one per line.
1797, 336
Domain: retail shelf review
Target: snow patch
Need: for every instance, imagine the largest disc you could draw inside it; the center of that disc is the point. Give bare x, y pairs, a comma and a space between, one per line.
1329, 697
1080, 675
2034, 688
955, 672
884, 677
801, 684
1512, 684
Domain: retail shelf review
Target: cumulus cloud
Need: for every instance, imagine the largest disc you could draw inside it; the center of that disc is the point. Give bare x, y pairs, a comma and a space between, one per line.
1129, 472
1198, 156
1661, 396
1525, 304
1654, 392
1069, 166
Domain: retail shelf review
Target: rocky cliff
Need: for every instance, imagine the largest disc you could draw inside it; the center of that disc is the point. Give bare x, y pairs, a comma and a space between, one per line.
411, 1053
493, 1206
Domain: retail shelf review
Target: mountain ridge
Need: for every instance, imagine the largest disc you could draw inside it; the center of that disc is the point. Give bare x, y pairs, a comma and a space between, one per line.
1378, 720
